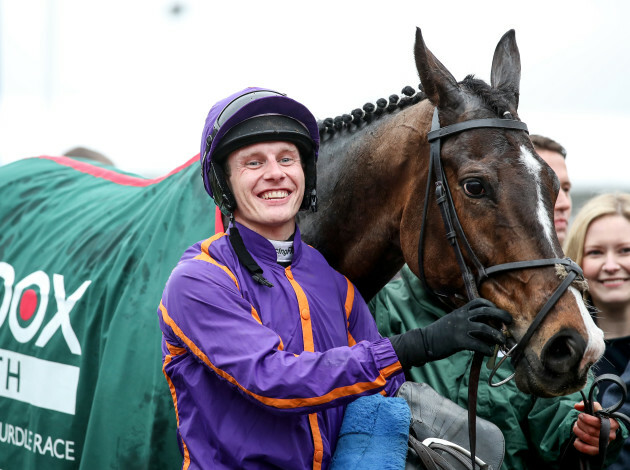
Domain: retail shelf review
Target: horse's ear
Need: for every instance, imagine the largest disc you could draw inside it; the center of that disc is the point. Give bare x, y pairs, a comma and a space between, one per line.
506, 68
437, 82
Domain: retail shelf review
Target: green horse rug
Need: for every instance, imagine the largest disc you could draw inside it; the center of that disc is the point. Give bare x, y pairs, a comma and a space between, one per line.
85, 251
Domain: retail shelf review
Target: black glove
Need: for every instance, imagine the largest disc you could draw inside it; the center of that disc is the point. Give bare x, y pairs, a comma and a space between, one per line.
464, 328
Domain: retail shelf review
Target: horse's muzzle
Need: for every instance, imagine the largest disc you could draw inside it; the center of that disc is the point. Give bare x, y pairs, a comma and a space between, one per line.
563, 353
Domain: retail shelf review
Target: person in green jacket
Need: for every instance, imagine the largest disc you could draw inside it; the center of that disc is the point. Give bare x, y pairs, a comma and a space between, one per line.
537, 430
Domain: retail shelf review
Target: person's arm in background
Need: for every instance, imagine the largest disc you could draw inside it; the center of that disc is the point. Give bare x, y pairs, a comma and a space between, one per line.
537, 428
612, 396
552, 421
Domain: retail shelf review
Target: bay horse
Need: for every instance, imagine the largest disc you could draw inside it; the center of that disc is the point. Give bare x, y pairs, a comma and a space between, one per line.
85, 251
373, 176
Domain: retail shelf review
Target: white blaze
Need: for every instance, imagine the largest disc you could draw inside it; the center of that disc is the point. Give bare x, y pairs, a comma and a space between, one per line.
595, 346
534, 168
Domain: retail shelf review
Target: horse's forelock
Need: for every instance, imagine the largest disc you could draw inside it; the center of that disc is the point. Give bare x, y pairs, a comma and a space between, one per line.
490, 97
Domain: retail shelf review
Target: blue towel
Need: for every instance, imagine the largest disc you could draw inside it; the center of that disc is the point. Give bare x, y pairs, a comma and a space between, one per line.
374, 435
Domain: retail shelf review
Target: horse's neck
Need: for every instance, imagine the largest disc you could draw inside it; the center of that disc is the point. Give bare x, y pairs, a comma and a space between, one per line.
365, 178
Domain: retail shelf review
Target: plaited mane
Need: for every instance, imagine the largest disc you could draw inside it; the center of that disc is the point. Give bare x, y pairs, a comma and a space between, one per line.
490, 97
370, 111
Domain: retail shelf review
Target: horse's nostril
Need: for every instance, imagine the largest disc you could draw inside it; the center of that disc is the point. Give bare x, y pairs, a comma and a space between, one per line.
561, 348
563, 352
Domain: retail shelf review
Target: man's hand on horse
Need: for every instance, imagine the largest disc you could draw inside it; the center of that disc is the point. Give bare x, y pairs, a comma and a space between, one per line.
466, 328
587, 427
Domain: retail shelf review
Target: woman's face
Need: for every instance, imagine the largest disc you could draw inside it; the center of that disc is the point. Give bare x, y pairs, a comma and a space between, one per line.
606, 261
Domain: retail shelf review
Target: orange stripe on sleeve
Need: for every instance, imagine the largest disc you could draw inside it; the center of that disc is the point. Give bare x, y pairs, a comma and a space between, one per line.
206, 244
168, 359
389, 370
349, 298
175, 350
255, 315
205, 256
348, 307
208, 259
281, 403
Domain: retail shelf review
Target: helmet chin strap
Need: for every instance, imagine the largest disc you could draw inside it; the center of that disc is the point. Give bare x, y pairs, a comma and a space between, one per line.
312, 200
244, 256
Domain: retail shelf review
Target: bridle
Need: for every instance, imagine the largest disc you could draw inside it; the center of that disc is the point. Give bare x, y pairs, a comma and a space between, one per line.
457, 238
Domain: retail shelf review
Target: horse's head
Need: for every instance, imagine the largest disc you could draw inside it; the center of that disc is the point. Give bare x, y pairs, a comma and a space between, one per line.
503, 195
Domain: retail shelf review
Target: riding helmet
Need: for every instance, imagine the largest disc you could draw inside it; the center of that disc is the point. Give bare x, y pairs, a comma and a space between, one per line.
250, 116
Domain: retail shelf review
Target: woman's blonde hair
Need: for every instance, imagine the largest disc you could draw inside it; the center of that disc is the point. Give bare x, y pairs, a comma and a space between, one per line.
599, 206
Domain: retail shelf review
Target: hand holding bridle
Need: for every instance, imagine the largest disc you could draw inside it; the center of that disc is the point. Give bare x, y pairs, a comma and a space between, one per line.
466, 328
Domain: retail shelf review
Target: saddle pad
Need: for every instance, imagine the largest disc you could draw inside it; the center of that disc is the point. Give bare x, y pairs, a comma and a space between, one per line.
374, 435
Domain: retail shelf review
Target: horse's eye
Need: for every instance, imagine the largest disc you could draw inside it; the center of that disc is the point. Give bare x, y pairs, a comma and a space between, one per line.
474, 188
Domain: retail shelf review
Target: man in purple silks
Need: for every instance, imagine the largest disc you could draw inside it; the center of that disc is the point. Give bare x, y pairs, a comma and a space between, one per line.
264, 344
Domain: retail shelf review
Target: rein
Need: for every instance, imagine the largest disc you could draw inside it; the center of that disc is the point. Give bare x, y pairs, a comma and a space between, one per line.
588, 463
455, 235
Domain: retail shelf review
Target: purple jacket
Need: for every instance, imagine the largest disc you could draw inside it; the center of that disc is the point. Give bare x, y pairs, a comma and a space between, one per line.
260, 376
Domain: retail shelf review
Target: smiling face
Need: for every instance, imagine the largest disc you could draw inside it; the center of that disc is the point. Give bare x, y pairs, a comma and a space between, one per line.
267, 180
606, 261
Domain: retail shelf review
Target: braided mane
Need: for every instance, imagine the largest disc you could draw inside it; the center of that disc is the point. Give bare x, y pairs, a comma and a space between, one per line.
490, 97
371, 111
